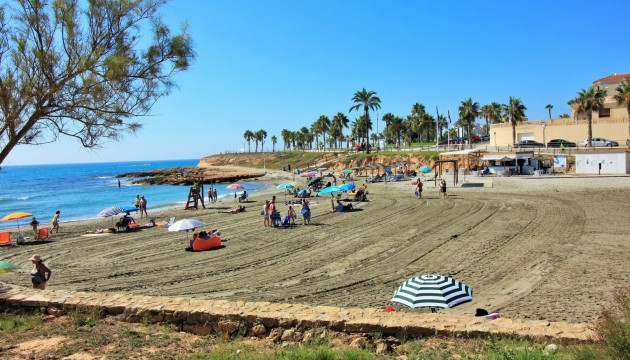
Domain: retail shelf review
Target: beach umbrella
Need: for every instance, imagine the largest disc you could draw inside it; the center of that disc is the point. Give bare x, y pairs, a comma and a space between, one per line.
236, 186
308, 174
314, 180
322, 169
346, 171
432, 291
16, 216
6, 266
128, 208
346, 187
186, 225
329, 190
111, 211
425, 169
285, 187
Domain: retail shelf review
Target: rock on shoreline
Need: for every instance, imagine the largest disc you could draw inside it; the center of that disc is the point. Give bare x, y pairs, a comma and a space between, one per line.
187, 175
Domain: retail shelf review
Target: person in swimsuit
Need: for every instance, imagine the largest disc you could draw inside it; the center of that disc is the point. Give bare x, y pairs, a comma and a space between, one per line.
40, 274
55, 222
291, 214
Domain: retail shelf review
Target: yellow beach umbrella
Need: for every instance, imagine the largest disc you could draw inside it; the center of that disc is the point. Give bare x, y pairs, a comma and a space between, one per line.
16, 216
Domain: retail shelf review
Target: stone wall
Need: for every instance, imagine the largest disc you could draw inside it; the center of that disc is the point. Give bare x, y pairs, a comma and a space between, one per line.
283, 322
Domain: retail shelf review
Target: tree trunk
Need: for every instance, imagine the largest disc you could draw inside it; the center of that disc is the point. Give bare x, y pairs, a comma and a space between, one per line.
367, 131
589, 117
513, 132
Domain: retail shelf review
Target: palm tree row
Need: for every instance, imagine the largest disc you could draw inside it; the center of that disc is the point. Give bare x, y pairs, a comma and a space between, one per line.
258, 136
420, 125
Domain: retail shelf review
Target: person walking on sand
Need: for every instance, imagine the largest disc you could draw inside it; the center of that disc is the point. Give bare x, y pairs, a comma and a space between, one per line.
136, 203
210, 198
40, 274
443, 188
419, 190
34, 224
55, 222
215, 195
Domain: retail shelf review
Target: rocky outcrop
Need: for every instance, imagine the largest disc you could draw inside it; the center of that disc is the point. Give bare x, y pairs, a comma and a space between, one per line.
187, 175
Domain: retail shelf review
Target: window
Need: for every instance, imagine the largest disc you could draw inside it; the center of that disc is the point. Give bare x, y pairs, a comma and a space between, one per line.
604, 112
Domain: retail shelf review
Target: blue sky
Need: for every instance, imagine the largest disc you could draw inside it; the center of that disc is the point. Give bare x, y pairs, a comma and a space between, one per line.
281, 64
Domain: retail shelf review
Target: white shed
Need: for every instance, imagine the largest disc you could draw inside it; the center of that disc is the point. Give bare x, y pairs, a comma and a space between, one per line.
613, 161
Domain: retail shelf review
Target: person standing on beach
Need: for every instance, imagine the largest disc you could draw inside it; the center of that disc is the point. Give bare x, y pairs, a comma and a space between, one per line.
265, 213
215, 195
419, 190
40, 274
443, 188
137, 202
119, 183
143, 206
34, 224
55, 222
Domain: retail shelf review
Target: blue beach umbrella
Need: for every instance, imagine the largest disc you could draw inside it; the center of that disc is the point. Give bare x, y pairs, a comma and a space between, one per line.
128, 208
329, 190
346, 187
285, 187
111, 211
425, 169
347, 171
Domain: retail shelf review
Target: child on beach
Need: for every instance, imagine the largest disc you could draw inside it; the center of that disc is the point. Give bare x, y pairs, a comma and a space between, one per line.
34, 224
291, 214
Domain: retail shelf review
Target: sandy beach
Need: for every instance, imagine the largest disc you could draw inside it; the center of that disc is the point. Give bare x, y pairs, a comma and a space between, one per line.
548, 248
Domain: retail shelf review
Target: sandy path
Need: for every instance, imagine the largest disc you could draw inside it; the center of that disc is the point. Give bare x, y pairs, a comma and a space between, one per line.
530, 248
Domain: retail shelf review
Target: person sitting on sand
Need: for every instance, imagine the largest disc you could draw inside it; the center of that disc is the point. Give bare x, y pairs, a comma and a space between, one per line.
342, 208
235, 210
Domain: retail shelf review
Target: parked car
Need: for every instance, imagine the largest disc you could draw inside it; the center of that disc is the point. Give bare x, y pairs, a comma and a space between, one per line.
529, 144
556, 143
600, 142
485, 137
476, 138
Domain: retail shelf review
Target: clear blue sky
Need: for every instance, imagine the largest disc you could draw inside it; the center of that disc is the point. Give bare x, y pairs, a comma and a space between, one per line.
281, 64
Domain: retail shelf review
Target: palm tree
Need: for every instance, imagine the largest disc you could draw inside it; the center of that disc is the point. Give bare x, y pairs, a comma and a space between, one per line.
323, 125
262, 135
515, 112
286, 138
417, 111
274, 140
468, 112
549, 107
397, 126
588, 101
623, 97
342, 122
441, 123
492, 114
387, 118
368, 101
248, 135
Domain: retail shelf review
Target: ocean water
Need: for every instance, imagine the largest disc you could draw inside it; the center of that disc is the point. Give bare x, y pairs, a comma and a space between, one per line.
81, 191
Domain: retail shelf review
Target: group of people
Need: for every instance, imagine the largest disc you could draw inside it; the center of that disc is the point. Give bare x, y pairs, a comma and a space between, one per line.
54, 223
271, 215
212, 195
141, 204
441, 188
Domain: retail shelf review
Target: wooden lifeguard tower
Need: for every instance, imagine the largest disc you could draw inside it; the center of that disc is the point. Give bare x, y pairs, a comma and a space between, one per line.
195, 195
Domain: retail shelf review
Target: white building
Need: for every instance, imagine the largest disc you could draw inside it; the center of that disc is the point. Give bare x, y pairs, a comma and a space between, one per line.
615, 161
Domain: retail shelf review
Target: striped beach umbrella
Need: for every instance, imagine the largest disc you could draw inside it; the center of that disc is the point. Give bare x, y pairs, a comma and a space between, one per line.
432, 291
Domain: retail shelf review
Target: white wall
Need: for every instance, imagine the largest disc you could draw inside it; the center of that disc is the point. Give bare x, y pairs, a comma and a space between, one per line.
612, 163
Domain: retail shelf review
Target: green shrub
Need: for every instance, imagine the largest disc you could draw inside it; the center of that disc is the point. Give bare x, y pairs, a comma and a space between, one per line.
12, 323
613, 327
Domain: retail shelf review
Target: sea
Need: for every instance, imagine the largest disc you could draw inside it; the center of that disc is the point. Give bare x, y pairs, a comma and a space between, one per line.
81, 191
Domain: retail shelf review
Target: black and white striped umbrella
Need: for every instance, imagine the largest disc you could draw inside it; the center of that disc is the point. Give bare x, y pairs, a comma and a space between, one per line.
432, 291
